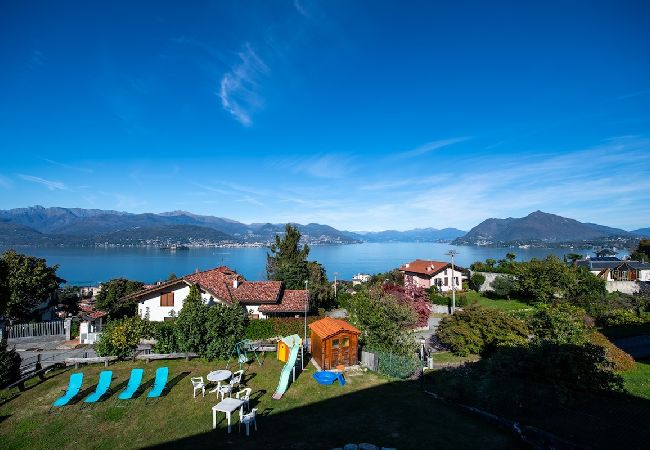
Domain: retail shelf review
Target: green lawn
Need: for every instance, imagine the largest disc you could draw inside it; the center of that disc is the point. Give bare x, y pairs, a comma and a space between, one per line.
502, 304
637, 381
369, 408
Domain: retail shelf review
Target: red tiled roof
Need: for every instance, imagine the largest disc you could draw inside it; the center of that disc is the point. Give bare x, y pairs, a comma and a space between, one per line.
291, 301
220, 283
329, 327
258, 291
97, 314
424, 267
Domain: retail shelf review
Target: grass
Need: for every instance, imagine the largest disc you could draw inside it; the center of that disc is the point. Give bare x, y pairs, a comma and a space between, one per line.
369, 408
502, 304
637, 381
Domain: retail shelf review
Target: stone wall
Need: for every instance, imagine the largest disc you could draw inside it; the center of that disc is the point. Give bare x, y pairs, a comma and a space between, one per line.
628, 287
489, 278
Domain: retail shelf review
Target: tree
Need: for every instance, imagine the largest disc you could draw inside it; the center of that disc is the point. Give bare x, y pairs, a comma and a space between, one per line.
573, 257
642, 252
191, 323
490, 262
26, 282
111, 297
320, 290
550, 279
384, 322
510, 257
287, 262
9, 364
559, 324
172, 276
225, 326
480, 330
69, 298
477, 281
503, 286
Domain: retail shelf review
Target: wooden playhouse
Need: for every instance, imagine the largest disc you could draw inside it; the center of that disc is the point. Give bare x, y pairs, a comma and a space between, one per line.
334, 342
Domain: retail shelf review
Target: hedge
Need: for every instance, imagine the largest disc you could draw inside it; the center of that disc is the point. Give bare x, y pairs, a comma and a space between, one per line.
278, 326
396, 366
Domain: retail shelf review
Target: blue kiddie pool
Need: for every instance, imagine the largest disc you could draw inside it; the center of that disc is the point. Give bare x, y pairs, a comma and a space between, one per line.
324, 377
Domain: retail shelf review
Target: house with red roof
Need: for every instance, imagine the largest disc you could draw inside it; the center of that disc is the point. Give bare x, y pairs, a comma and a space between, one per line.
425, 274
221, 285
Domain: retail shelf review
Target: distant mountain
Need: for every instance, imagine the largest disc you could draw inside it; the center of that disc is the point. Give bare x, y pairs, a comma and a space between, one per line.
537, 227
645, 232
37, 225
415, 235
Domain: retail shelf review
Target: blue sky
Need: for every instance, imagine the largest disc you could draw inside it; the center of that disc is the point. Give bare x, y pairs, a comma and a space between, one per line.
361, 115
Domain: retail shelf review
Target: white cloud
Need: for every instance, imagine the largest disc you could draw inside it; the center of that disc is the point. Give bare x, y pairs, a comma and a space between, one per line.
239, 86
68, 166
428, 147
51, 185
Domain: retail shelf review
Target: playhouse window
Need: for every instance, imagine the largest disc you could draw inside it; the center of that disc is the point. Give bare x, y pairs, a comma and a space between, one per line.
335, 343
345, 342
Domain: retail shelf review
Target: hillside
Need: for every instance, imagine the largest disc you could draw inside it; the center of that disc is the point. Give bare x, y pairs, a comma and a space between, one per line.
542, 228
644, 232
415, 235
75, 226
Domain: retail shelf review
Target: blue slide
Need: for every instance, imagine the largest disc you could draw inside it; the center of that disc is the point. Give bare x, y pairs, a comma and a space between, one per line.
294, 342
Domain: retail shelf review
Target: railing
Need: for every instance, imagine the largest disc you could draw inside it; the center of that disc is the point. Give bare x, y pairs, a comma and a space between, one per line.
23, 330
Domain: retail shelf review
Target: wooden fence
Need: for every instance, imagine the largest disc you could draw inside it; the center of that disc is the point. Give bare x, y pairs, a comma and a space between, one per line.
23, 330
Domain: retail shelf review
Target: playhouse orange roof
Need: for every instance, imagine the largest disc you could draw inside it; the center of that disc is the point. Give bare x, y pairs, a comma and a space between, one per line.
329, 327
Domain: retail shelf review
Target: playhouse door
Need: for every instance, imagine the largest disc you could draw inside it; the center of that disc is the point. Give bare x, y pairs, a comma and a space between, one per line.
340, 350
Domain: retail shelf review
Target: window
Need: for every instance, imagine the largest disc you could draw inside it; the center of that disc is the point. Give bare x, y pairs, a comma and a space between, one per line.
335, 343
456, 280
169, 319
167, 299
446, 281
345, 342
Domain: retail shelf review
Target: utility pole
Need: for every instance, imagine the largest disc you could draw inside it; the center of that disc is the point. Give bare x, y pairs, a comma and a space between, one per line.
335, 274
304, 341
452, 253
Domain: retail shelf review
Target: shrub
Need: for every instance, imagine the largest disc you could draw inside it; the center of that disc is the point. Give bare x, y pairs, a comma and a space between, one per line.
503, 286
164, 334
477, 281
566, 366
559, 324
620, 317
621, 361
190, 325
480, 330
121, 337
260, 329
9, 364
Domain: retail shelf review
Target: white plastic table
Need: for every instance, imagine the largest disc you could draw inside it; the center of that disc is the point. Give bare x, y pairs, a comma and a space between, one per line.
227, 405
217, 376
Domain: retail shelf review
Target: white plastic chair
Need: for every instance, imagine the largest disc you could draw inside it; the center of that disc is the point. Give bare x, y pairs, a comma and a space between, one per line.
198, 384
247, 419
245, 396
224, 389
236, 378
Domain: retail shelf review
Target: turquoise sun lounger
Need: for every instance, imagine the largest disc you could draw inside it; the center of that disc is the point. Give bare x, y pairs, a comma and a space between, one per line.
74, 385
102, 387
159, 383
133, 385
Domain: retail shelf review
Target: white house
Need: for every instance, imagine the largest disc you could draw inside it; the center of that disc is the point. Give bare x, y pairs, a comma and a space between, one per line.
223, 285
360, 278
425, 274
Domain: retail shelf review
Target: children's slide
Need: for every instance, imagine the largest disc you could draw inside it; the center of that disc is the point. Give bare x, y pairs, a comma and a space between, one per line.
293, 342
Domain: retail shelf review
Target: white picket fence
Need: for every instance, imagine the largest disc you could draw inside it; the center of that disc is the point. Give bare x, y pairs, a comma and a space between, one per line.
23, 330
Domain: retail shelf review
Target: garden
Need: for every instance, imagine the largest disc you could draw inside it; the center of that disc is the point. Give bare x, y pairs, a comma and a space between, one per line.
369, 408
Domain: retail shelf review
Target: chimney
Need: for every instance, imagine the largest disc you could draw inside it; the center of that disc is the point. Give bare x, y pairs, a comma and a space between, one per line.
407, 265
235, 283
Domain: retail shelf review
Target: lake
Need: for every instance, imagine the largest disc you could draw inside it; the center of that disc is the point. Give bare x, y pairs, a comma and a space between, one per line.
90, 266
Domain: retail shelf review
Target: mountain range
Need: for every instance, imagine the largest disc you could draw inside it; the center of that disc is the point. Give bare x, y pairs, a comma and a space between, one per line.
545, 229
37, 225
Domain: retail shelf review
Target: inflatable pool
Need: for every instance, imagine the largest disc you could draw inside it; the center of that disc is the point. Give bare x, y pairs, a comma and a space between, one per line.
324, 377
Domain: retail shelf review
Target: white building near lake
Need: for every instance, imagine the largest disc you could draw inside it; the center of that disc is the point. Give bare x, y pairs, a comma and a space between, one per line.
221, 285
426, 274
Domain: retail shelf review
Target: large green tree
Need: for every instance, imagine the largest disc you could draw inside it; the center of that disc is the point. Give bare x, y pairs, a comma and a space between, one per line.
190, 326
384, 321
111, 297
642, 252
287, 261
25, 281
